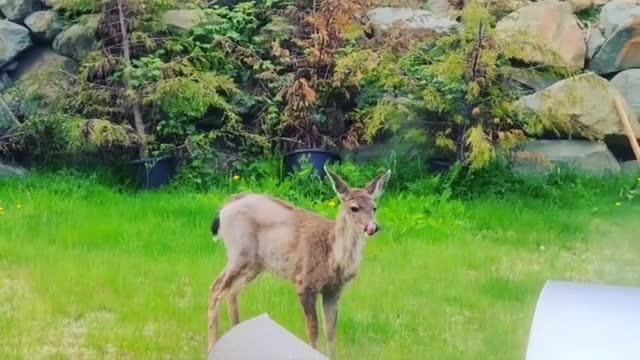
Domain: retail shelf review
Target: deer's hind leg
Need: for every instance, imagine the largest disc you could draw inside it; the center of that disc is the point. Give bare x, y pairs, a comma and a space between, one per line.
239, 283
214, 304
229, 282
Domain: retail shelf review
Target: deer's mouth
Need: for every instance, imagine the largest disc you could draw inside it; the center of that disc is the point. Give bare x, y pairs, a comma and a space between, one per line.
370, 229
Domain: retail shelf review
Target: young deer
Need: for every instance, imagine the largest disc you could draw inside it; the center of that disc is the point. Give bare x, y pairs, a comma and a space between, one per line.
317, 254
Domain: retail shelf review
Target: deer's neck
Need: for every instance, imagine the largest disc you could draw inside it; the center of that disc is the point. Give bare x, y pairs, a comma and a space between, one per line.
348, 247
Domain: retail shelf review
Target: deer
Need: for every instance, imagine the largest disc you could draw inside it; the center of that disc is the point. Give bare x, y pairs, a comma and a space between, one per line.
318, 255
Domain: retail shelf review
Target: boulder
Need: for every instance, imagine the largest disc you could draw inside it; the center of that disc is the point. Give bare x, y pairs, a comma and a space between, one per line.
5, 82
621, 24
605, 2
183, 20
439, 8
579, 5
594, 42
11, 170
16, 10
12, 66
628, 84
541, 156
383, 18
617, 14
40, 78
549, 24
588, 100
53, 3
78, 40
13, 40
44, 25
531, 79
7, 119
631, 167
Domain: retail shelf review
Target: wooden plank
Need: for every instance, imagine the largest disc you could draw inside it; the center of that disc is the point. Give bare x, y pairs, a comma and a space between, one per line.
633, 140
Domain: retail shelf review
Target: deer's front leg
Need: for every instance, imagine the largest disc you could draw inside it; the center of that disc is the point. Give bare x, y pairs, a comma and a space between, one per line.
308, 302
330, 308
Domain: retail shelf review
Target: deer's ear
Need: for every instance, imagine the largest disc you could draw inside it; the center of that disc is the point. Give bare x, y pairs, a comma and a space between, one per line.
339, 186
376, 187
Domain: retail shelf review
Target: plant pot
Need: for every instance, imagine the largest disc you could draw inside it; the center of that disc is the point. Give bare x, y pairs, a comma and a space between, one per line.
153, 173
317, 158
440, 165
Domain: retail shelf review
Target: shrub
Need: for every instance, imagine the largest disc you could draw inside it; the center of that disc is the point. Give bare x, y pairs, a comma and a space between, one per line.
448, 92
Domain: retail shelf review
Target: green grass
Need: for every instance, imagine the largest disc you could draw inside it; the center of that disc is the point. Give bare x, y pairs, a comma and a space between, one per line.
88, 272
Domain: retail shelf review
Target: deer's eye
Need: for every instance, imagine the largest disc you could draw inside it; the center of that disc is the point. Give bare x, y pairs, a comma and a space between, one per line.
355, 209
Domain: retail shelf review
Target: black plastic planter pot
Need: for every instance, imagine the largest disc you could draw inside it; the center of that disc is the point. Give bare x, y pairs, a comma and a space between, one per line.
152, 173
439, 165
317, 159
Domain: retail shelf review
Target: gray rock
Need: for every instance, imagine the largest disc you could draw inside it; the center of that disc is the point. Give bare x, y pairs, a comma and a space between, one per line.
439, 8
77, 41
594, 42
628, 84
533, 80
16, 10
621, 23
605, 2
7, 119
12, 66
383, 18
540, 156
579, 5
53, 3
588, 100
11, 171
5, 81
44, 25
615, 15
183, 20
13, 40
631, 167
40, 78
551, 25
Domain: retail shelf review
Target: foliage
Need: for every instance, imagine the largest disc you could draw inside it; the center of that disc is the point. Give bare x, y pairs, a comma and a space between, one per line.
450, 92
589, 15
315, 104
73, 8
632, 192
180, 82
53, 139
262, 77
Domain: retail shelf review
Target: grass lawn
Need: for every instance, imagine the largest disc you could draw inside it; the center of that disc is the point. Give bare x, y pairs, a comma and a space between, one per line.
87, 272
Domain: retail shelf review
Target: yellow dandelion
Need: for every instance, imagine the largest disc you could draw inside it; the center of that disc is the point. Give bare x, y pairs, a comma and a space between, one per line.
19, 206
332, 204
236, 177
618, 204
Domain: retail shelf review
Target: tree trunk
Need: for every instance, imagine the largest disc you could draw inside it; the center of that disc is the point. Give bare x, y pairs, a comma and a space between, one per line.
137, 109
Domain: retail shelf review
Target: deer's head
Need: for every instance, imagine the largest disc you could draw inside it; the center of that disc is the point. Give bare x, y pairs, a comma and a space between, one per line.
359, 205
